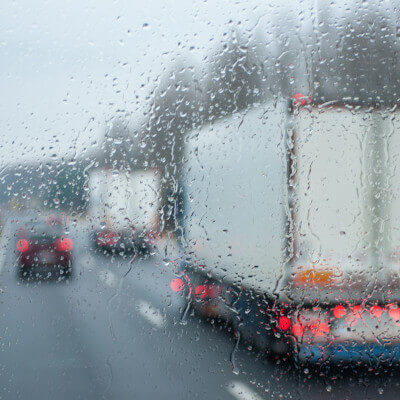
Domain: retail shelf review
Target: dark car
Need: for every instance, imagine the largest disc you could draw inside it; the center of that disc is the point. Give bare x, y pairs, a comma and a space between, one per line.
44, 251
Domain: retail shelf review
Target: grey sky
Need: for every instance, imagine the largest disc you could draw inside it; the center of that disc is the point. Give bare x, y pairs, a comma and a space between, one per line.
68, 66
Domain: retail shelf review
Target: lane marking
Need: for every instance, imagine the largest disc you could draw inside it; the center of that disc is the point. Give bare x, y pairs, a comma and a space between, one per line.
240, 391
151, 314
108, 277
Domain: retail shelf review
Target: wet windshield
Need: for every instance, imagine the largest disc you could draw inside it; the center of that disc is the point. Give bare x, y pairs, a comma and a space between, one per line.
200, 199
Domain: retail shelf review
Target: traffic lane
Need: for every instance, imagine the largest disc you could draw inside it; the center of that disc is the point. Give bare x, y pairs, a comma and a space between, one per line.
116, 329
139, 297
69, 352
183, 356
85, 339
197, 350
149, 350
42, 355
141, 292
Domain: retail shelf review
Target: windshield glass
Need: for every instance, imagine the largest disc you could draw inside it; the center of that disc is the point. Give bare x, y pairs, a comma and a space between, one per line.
200, 199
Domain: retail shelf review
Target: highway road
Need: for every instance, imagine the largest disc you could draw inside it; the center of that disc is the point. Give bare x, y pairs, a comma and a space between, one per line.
116, 331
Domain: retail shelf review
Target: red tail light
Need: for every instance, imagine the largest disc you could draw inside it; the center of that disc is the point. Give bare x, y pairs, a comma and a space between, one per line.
176, 285
375, 311
319, 328
357, 311
297, 329
339, 311
64, 244
313, 323
210, 291
200, 290
394, 313
22, 245
283, 323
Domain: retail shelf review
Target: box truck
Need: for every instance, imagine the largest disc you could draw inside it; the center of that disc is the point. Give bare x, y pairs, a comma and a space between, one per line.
290, 221
124, 208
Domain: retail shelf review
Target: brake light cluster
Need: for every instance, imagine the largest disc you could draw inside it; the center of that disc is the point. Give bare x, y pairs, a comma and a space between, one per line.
353, 313
300, 99
316, 323
317, 327
64, 244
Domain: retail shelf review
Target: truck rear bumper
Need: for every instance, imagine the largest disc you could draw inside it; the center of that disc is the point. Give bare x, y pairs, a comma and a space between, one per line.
346, 353
113, 241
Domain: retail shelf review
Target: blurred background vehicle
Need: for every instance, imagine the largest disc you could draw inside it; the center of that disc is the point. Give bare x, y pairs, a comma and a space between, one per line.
44, 250
123, 209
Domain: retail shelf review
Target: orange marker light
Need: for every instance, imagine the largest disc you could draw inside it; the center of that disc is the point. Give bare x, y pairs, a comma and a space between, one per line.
315, 277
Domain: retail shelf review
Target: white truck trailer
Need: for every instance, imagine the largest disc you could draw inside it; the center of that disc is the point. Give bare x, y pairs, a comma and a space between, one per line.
291, 212
124, 208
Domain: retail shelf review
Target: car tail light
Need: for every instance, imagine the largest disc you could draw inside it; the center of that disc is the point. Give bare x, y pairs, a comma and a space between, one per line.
64, 244
284, 323
312, 323
177, 285
200, 290
339, 311
394, 313
319, 328
213, 291
22, 245
297, 329
210, 291
375, 311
